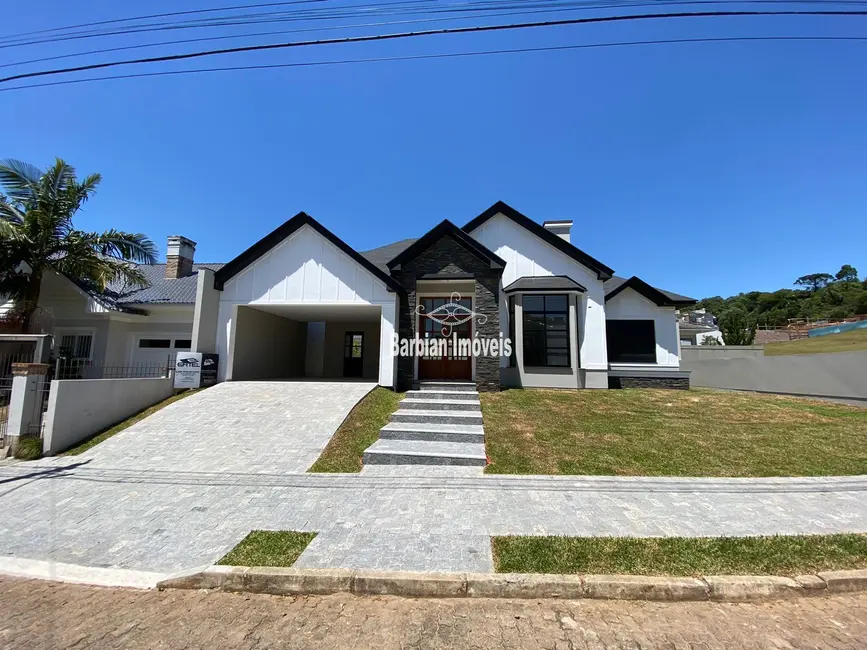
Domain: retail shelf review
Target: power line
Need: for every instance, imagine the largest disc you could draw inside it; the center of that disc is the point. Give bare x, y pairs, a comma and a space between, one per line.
434, 32
591, 5
447, 55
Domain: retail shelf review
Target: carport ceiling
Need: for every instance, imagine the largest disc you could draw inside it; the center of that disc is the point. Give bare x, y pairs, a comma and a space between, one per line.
317, 313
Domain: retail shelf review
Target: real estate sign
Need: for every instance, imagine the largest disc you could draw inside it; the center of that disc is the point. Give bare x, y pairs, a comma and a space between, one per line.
188, 369
209, 369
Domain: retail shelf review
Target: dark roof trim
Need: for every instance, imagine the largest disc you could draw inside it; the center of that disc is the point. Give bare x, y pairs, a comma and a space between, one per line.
602, 272
279, 234
448, 276
653, 294
545, 283
439, 231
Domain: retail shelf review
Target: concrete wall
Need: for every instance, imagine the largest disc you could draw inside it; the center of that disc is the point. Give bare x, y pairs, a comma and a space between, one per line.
842, 374
205, 313
333, 357
314, 357
79, 408
266, 346
705, 353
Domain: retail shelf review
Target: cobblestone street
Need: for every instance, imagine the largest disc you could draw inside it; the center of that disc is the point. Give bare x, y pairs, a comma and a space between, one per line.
45, 615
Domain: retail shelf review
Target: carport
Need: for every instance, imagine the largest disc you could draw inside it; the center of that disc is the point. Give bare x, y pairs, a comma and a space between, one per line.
285, 341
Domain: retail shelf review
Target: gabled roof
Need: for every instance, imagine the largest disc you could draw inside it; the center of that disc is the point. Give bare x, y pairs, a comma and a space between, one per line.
545, 283
603, 272
443, 229
657, 296
384, 254
280, 233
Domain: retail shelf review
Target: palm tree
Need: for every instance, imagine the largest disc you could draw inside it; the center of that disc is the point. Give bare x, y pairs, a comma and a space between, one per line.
37, 235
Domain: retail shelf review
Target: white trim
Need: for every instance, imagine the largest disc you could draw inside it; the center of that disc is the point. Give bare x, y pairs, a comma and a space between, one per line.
60, 332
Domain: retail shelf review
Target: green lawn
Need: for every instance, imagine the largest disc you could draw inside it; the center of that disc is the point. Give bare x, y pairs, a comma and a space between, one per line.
647, 432
105, 434
268, 548
359, 430
843, 342
680, 556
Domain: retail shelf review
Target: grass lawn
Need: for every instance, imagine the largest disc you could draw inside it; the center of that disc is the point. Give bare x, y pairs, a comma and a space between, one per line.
359, 430
680, 556
843, 342
105, 434
268, 548
700, 432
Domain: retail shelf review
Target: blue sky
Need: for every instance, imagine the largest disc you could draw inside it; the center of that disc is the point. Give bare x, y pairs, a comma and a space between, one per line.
703, 168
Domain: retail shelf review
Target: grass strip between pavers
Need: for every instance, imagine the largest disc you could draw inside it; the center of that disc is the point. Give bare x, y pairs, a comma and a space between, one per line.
105, 434
680, 556
268, 548
359, 430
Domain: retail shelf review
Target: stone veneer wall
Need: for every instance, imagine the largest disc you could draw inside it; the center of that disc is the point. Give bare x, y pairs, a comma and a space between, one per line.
677, 383
447, 257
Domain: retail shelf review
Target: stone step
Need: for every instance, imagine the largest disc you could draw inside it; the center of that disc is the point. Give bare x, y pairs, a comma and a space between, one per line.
437, 417
436, 432
443, 394
414, 404
463, 386
424, 452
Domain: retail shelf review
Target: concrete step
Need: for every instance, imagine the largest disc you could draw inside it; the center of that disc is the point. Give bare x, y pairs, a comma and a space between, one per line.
443, 394
435, 432
437, 417
424, 452
463, 386
440, 404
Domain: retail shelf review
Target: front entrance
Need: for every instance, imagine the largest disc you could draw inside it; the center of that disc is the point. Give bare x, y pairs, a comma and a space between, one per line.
440, 318
353, 354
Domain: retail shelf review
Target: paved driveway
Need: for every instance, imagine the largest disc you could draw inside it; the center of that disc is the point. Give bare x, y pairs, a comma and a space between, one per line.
250, 427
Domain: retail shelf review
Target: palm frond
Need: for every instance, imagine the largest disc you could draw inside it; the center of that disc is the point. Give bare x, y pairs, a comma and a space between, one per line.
135, 247
9, 213
59, 176
20, 179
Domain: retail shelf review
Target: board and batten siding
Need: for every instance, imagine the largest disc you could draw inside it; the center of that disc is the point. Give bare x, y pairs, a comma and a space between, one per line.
526, 255
631, 305
307, 269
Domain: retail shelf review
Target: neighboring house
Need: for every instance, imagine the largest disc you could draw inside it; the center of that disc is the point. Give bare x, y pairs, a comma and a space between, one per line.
302, 303
124, 326
698, 325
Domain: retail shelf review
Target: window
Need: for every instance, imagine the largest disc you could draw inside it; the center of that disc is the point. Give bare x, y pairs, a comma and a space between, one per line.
76, 346
155, 343
513, 361
352, 345
631, 341
183, 344
546, 331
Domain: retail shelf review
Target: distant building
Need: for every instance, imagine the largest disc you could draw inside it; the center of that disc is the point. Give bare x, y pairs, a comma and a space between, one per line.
696, 326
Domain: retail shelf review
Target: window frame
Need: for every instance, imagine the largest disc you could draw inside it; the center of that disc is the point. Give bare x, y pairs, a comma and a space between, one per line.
60, 332
631, 358
567, 350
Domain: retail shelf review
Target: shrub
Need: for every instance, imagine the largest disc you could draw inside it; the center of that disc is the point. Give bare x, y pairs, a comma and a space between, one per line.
736, 328
28, 448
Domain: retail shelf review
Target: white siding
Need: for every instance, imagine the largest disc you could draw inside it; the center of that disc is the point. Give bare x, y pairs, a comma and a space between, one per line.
527, 255
631, 305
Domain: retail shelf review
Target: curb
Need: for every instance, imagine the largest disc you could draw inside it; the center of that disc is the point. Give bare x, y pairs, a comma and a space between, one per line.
83, 575
281, 581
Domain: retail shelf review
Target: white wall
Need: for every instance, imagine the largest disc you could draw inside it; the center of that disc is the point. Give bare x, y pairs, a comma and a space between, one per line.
307, 269
631, 305
527, 255
713, 334
79, 408
266, 346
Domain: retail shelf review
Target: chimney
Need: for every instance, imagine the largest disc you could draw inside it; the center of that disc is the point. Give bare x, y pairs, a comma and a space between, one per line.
179, 257
561, 227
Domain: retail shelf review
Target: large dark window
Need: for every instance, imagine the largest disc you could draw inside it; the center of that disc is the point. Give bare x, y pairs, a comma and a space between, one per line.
546, 330
631, 341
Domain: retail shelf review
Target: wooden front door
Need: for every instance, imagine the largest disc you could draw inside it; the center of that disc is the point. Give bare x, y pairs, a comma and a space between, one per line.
450, 365
353, 354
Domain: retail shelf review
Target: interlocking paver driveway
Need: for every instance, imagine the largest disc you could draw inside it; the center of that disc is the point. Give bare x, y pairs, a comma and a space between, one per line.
247, 427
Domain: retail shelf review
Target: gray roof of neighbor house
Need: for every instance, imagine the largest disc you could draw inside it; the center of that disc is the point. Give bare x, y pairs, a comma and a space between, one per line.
160, 290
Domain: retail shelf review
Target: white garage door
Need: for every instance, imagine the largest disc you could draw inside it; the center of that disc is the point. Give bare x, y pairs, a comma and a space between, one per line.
154, 350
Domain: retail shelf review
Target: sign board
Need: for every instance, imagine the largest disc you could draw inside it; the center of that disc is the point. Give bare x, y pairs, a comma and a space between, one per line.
188, 369
209, 369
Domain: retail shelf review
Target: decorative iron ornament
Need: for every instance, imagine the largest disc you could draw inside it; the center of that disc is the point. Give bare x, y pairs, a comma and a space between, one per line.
450, 314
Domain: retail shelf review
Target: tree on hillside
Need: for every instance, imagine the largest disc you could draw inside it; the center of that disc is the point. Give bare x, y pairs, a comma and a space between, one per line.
37, 235
847, 273
736, 328
815, 281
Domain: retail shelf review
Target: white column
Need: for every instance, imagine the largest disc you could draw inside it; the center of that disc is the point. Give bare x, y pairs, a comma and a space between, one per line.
387, 358
24, 403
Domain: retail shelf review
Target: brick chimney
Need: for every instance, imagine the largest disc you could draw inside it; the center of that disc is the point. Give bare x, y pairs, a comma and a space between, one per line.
179, 257
562, 228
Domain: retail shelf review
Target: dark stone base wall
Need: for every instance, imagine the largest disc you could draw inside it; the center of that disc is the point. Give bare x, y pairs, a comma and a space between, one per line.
675, 383
444, 257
